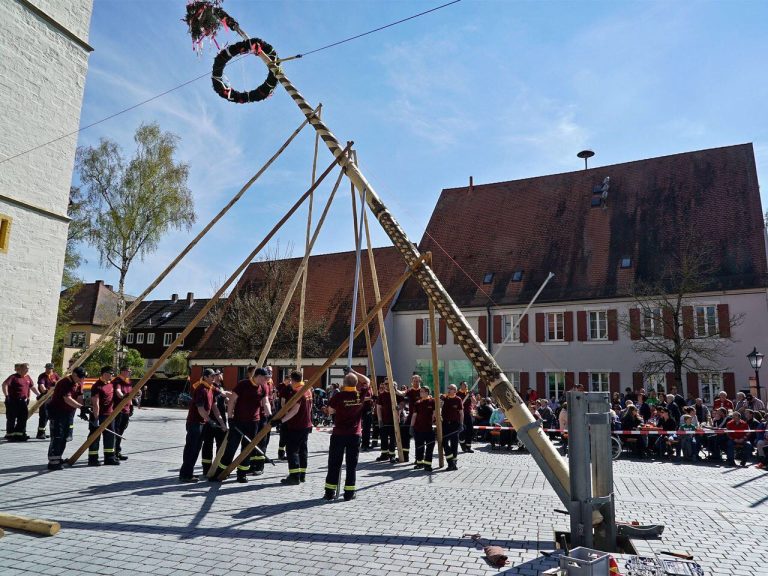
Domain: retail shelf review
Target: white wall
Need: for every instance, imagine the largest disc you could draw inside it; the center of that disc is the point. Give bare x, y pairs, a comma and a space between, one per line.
42, 78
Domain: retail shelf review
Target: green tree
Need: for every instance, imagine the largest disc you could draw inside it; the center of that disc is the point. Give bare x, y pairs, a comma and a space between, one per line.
104, 357
131, 203
177, 364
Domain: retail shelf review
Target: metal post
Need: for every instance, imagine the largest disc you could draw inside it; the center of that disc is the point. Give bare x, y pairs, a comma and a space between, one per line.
580, 505
599, 420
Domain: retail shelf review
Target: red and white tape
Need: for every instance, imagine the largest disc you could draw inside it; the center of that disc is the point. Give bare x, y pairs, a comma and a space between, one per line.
650, 432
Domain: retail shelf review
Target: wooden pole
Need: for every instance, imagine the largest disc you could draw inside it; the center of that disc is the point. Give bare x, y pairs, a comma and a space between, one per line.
217, 458
384, 340
195, 321
245, 452
45, 527
436, 380
295, 282
300, 339
135, 304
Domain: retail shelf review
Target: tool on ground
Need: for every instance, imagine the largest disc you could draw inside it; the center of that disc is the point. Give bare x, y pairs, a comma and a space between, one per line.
494, 555
255, 447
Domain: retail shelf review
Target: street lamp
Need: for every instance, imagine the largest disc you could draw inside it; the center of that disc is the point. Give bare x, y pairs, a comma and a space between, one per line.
756, 360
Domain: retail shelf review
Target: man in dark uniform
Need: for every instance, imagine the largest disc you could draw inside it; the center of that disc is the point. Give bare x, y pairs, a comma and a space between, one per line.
386, 425
348, 406
465, 438
367, 423
259, 457
67, 397
244, 412
298, 424
424, 436
16, 389
412, 395
453, 414
122, 385
45, 382
212, 432
102, 404
200, 409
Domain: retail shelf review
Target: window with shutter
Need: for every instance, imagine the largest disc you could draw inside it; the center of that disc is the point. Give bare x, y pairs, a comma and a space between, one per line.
705, 321
555, 326
598, 326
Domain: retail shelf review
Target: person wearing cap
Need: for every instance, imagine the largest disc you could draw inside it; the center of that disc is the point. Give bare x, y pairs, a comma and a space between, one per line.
200, 409
452, 412
348, 406
66, 399
16, 389
244, 412
123, 387
45, 383
298, 425
424, 436
102, 405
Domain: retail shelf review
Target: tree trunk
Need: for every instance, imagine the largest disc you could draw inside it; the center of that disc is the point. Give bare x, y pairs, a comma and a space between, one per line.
120, 309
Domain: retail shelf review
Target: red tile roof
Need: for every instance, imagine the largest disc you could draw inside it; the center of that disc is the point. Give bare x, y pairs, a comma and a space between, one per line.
329, 295
94, 303
544, 224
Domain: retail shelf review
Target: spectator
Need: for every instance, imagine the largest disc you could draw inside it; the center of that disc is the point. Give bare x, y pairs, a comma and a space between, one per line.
722, 402
689, 411
688, 442
616, 399
740, 403
702, 412
762, 457
748, 402
716, 443
737, 439
643, 409
629, 394
562, 418
653, 398
505, 436
674, 408
691, 400
667, 423
547, 415
631, 421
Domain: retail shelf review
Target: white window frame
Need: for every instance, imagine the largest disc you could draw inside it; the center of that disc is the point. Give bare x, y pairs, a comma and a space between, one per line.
599, 381
507, 321
706, 330
655, 381
140, 338
600, 324
78, 342
129, 338
167, 338
552, 381
710, 385
559, 322
177, 335
150, 337
514, 378
652, 326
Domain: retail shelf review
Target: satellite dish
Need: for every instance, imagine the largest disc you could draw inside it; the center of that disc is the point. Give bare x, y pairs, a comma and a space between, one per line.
586, 154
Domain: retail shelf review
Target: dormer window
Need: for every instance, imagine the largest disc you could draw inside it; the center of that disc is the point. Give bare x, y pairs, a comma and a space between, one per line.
626, 262
165, 315
517, 276
488, 277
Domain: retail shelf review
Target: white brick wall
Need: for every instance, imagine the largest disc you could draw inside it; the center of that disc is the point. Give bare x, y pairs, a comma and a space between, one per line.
41, 89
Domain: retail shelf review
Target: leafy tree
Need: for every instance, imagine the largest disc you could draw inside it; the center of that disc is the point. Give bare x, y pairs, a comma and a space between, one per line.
131, 203
177, 364
104, 357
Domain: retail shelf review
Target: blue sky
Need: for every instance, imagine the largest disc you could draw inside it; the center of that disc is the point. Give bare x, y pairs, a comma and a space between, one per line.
498, 90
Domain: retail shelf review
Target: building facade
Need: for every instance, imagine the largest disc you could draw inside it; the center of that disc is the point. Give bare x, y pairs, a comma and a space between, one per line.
92, 310
44, 55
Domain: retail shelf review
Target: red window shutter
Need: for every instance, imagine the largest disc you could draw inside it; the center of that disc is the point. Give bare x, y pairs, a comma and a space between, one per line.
692, 383
634, 323
482, 328
419, 331
541, 386
497, 329
584, 379
525, 382
581, 325
441, 339
568, 318
613, 325
729, 383
524, 329
670, 377
540, 327
570, 380
688, 322
724, 320
669, 323
637, 380
614, 382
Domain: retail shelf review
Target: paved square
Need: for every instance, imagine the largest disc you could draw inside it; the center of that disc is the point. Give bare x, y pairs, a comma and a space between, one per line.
137, 519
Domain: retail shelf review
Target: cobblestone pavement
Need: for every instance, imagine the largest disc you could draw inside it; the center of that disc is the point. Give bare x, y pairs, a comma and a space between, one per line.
137, 519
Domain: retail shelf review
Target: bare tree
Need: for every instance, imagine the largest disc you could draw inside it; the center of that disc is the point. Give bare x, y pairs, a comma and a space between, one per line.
671, 331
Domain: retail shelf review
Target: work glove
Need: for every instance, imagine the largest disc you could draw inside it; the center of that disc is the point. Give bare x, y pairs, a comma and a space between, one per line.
84, 413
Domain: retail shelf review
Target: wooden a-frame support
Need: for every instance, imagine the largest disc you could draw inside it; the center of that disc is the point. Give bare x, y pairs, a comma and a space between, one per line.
199, 316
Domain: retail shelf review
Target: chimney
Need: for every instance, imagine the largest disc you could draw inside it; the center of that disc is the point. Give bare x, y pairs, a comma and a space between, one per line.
174, 298
109, 287
471, 184
98, 283
190, 299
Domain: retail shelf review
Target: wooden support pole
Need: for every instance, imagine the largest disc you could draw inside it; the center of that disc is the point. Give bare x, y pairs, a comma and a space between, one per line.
300, 339
383, 336
245, 452
135, 304
436, 380
295, 282
217, 458
44, 527
196, 320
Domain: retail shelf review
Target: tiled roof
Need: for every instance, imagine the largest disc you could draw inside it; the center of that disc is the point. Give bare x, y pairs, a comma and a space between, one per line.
544, 224
156, 314
94, 303
329, 295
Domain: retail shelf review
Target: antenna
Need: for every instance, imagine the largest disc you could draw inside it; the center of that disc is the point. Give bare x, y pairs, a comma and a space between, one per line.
586, 154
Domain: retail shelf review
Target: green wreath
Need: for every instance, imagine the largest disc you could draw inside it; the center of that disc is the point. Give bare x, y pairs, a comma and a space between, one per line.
222, 87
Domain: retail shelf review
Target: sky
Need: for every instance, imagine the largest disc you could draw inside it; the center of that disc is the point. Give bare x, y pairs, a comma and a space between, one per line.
494, 89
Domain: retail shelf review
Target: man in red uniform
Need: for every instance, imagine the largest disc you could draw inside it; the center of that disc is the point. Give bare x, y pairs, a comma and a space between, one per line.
386, 425
122, 386
453, 414
259, 457
298, 424
67, 397
16, 389
465, 438
45, 382
412, 396
212, 432
348, 406
200, 409
424, 436
244, 410
102, 404
284, 391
